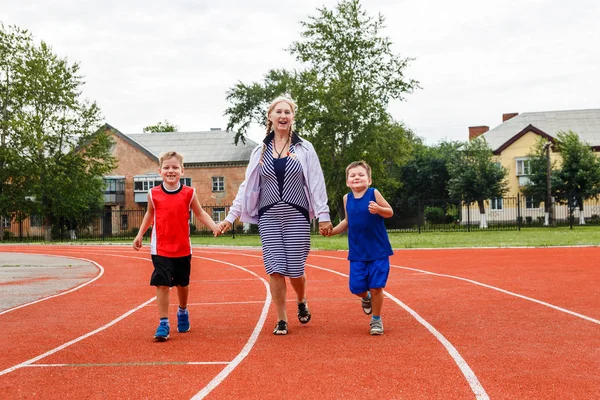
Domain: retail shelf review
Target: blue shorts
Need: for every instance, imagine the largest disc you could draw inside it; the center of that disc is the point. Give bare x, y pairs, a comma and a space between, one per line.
365, 275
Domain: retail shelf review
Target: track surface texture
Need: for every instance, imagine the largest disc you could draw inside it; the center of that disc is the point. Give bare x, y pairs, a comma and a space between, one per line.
520, 323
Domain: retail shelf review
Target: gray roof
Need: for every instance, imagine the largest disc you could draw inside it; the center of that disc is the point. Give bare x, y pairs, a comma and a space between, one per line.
214, 146
586, 123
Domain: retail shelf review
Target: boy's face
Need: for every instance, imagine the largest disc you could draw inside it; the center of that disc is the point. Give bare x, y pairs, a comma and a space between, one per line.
358, 179
171, 171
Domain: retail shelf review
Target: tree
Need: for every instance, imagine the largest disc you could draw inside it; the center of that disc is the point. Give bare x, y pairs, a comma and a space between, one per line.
476, 177
165, 126
579, 175
349, 75
62, 155
536, 186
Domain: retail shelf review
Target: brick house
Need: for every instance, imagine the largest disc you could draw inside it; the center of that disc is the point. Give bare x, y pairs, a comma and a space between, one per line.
213, 165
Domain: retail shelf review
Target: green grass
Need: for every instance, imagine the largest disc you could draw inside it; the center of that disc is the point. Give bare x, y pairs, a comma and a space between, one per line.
536, 237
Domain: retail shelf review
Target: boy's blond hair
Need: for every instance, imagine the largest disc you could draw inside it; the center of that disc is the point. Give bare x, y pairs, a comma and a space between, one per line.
170, 154
360, 163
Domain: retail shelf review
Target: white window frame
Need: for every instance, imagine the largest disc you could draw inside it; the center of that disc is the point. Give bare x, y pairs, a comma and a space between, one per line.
497, 204
523, 167
218, 183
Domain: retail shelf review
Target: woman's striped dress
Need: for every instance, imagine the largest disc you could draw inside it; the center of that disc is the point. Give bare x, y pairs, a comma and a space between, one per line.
283, 222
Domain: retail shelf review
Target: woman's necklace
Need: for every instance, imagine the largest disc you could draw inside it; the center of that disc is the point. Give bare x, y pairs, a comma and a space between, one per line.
279, 153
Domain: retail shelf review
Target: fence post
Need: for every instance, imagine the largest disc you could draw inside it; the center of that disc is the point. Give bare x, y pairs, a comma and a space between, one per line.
519, 218
233, 230
419, 214
469, 217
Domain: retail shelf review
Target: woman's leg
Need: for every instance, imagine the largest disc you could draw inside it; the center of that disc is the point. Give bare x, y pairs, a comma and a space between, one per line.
299, 286
278, 289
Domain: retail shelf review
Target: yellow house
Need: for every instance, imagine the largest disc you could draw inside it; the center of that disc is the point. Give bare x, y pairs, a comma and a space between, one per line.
515, 137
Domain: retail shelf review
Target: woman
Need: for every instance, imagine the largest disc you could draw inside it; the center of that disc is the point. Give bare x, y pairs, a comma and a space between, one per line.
283, 191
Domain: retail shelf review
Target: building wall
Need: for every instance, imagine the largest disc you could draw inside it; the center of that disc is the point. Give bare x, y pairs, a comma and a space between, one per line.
518, 150
132, 161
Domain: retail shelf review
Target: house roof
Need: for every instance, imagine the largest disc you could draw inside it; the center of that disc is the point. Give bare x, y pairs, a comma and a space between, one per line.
214, 146
586, 123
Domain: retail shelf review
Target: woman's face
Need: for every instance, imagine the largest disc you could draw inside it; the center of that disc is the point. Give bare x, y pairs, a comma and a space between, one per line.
282, 117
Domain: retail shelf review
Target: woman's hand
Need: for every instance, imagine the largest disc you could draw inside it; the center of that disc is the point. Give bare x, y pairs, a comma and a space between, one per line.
224, 226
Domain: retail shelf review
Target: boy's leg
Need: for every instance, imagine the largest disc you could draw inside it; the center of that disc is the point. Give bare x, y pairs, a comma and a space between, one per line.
183, 316
358, 284
377, 301
182, 295
162, 300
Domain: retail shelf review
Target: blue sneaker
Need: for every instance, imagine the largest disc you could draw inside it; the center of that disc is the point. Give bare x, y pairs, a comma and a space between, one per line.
162, 332
183, 321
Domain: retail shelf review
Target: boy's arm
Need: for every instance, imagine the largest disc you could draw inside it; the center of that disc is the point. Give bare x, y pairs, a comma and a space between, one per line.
148, 218
204, 217
380, 206
343, 225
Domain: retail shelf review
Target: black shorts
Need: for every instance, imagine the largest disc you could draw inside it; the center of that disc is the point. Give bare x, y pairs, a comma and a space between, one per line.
171, 271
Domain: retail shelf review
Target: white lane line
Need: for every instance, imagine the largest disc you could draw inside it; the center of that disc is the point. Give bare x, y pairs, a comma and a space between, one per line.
216, 381
595, 321
80, 338
62, 293
130, 364
476, 387
468, 373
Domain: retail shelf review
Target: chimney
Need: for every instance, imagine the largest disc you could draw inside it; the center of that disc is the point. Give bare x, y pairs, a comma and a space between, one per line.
506, 117
215, 129
475, 131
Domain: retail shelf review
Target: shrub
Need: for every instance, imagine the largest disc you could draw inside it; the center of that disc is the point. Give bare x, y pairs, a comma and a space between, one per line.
434, 215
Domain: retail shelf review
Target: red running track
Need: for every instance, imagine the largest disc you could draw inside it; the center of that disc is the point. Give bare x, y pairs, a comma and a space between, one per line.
460, 324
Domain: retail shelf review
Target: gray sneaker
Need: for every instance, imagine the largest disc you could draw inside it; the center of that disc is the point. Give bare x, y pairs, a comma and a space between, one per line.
376, 327
366, 305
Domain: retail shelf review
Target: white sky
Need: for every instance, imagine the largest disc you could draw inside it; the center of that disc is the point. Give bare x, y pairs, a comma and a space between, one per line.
147, 61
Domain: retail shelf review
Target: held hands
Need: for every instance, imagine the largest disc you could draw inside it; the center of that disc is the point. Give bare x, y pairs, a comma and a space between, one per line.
223, 227
325, 228
374, 207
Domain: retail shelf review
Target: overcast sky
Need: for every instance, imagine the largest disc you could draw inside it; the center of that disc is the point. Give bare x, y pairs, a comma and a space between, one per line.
147, 61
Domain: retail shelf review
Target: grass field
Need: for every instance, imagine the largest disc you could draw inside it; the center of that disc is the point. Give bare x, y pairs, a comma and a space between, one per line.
536, 237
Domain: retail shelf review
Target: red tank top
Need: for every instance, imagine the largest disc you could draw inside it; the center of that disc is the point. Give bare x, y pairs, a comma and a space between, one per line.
171, 229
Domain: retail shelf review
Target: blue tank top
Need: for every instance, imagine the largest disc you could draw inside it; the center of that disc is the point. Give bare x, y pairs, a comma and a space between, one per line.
367, 236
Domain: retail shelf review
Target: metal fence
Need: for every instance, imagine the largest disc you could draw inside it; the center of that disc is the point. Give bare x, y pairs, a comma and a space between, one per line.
510, 213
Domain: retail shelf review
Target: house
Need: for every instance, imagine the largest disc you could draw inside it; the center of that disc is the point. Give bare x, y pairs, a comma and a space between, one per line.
515, 137
213, 165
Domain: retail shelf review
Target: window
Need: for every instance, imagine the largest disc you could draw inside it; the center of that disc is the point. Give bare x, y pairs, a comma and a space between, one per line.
114, 191
218, 184
145, 183
496, 203
531, 203
35, 220
186, 181
124, 221
218, 214
523, 167
5, 222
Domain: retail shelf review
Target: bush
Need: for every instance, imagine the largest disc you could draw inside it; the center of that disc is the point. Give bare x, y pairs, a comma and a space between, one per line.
434, 215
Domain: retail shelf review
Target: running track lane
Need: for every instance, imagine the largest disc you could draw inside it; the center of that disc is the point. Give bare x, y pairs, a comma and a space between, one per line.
451, 307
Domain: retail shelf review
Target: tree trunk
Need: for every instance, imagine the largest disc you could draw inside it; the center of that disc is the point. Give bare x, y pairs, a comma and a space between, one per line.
482, 217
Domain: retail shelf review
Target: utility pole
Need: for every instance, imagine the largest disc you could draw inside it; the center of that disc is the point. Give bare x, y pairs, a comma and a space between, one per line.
548, 220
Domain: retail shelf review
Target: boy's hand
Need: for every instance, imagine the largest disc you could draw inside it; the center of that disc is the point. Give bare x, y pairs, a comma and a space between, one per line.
137, 243
374, 207
216, 229
325, 228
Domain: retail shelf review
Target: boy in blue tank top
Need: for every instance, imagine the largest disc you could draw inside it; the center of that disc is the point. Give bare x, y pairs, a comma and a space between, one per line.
369, 248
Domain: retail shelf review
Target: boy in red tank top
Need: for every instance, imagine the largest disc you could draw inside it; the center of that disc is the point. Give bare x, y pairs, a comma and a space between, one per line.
168, 212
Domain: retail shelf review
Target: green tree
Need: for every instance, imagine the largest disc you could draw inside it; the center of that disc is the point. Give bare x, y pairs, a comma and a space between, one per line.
579, 174
165, 126
62, 154
536, 186
476, 177
349, 75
